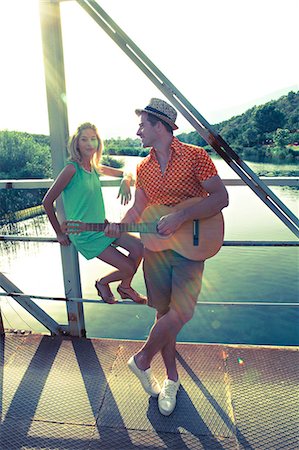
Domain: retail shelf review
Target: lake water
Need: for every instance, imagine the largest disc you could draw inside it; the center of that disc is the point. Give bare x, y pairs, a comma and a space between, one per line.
235, 274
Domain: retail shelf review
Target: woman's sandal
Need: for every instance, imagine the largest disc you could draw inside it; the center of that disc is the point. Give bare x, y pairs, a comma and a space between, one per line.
131, 294
105, 293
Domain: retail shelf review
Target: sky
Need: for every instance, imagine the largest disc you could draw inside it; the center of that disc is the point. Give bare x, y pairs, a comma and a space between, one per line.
223, 56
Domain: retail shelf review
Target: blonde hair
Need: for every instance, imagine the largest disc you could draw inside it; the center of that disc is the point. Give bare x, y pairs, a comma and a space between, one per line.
73, 147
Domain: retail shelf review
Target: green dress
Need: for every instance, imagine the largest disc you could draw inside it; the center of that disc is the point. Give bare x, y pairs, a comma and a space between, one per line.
83, 200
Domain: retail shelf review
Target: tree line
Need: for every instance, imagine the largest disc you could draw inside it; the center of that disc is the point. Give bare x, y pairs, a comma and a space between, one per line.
269, 132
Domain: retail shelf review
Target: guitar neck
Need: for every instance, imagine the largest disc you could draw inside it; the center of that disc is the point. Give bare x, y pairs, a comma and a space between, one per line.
142, 227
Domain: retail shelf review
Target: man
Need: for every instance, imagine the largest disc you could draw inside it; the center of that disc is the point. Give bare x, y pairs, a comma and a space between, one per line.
170, 174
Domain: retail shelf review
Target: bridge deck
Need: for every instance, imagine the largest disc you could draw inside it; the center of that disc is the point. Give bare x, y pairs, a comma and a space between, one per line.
70, 393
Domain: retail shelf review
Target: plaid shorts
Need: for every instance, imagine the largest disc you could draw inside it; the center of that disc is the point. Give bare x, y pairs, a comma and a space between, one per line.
172, 280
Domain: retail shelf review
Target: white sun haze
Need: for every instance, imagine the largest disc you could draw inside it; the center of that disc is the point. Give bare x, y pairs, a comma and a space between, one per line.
224, 57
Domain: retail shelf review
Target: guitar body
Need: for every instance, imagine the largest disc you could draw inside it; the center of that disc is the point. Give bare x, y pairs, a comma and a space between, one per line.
210, 233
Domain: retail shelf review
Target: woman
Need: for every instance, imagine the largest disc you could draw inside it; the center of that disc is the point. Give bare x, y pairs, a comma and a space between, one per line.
82, 196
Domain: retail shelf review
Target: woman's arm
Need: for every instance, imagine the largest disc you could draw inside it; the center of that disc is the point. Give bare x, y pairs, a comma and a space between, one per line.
111, 171
53, 193
133, 214
125, 185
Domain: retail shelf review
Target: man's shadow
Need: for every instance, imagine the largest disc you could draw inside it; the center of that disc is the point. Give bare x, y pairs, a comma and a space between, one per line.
186, 418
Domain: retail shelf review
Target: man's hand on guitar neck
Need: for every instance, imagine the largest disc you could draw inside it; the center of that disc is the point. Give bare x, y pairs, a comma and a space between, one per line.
112, 230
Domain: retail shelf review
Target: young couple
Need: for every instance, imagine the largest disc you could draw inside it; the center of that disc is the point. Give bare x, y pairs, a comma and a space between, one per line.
171, 173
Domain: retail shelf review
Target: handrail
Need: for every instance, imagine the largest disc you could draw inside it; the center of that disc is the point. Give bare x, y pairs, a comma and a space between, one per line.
106, 182
129, 302
14, 237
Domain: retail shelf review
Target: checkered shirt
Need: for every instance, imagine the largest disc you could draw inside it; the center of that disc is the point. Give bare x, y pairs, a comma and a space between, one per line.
187, 168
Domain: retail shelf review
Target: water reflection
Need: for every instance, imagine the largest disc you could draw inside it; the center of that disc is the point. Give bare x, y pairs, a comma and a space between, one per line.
37, 226
235, 274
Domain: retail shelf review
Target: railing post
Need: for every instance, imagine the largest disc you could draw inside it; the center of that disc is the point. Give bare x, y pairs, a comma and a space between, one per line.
58, 124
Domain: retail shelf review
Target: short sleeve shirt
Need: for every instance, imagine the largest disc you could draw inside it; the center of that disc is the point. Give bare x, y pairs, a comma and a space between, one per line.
187, 168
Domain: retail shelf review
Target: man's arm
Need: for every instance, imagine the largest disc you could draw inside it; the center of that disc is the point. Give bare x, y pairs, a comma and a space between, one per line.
211, 205
208, 207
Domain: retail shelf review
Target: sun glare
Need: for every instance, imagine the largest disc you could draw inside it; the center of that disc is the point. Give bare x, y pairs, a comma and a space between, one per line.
222, 63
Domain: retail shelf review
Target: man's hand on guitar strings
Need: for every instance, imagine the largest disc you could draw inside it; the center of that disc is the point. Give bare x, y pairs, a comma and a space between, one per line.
168, 224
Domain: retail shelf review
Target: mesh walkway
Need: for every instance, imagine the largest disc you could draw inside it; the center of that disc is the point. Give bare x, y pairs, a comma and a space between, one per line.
71, 393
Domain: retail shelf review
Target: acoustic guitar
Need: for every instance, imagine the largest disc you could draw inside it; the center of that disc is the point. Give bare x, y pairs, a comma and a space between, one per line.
195, 239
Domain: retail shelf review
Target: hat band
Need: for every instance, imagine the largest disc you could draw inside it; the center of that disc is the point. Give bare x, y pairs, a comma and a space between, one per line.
154, 110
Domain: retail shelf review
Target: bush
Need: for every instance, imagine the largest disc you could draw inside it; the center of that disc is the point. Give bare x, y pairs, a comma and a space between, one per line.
112, 162
12, 200
22, 157
143, 152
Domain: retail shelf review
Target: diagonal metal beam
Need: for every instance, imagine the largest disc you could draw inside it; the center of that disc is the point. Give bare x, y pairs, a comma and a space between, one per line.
33, 309
191, 114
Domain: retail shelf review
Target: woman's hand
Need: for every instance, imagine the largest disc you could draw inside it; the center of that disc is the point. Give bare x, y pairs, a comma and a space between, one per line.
125, 190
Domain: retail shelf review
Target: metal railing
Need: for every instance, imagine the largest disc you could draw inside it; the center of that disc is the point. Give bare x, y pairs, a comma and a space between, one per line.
26, 300
46, 183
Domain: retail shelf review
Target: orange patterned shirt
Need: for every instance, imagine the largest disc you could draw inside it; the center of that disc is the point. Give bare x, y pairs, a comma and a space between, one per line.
187, 167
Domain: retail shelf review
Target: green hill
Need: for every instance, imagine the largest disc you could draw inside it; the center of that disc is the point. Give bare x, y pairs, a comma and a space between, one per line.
269, 131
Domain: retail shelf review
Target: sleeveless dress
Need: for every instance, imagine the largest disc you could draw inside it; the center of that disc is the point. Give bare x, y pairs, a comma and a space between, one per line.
83, 200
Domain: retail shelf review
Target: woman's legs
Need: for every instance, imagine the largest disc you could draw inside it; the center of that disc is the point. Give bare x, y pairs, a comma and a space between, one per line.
126, 265
134, 247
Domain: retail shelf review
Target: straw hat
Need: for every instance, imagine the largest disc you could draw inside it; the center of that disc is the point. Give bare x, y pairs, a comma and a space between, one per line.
161, 109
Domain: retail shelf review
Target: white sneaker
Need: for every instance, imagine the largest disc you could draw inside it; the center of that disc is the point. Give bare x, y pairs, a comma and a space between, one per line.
167, 396
146, 378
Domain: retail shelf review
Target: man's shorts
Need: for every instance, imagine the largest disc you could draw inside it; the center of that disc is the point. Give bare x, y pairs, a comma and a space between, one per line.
172, 280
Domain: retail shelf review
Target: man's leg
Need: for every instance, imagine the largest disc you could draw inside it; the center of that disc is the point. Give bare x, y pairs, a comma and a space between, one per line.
166, 328
173, 285
186, 285
157, 275
168, 353
185, 277
163, 333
